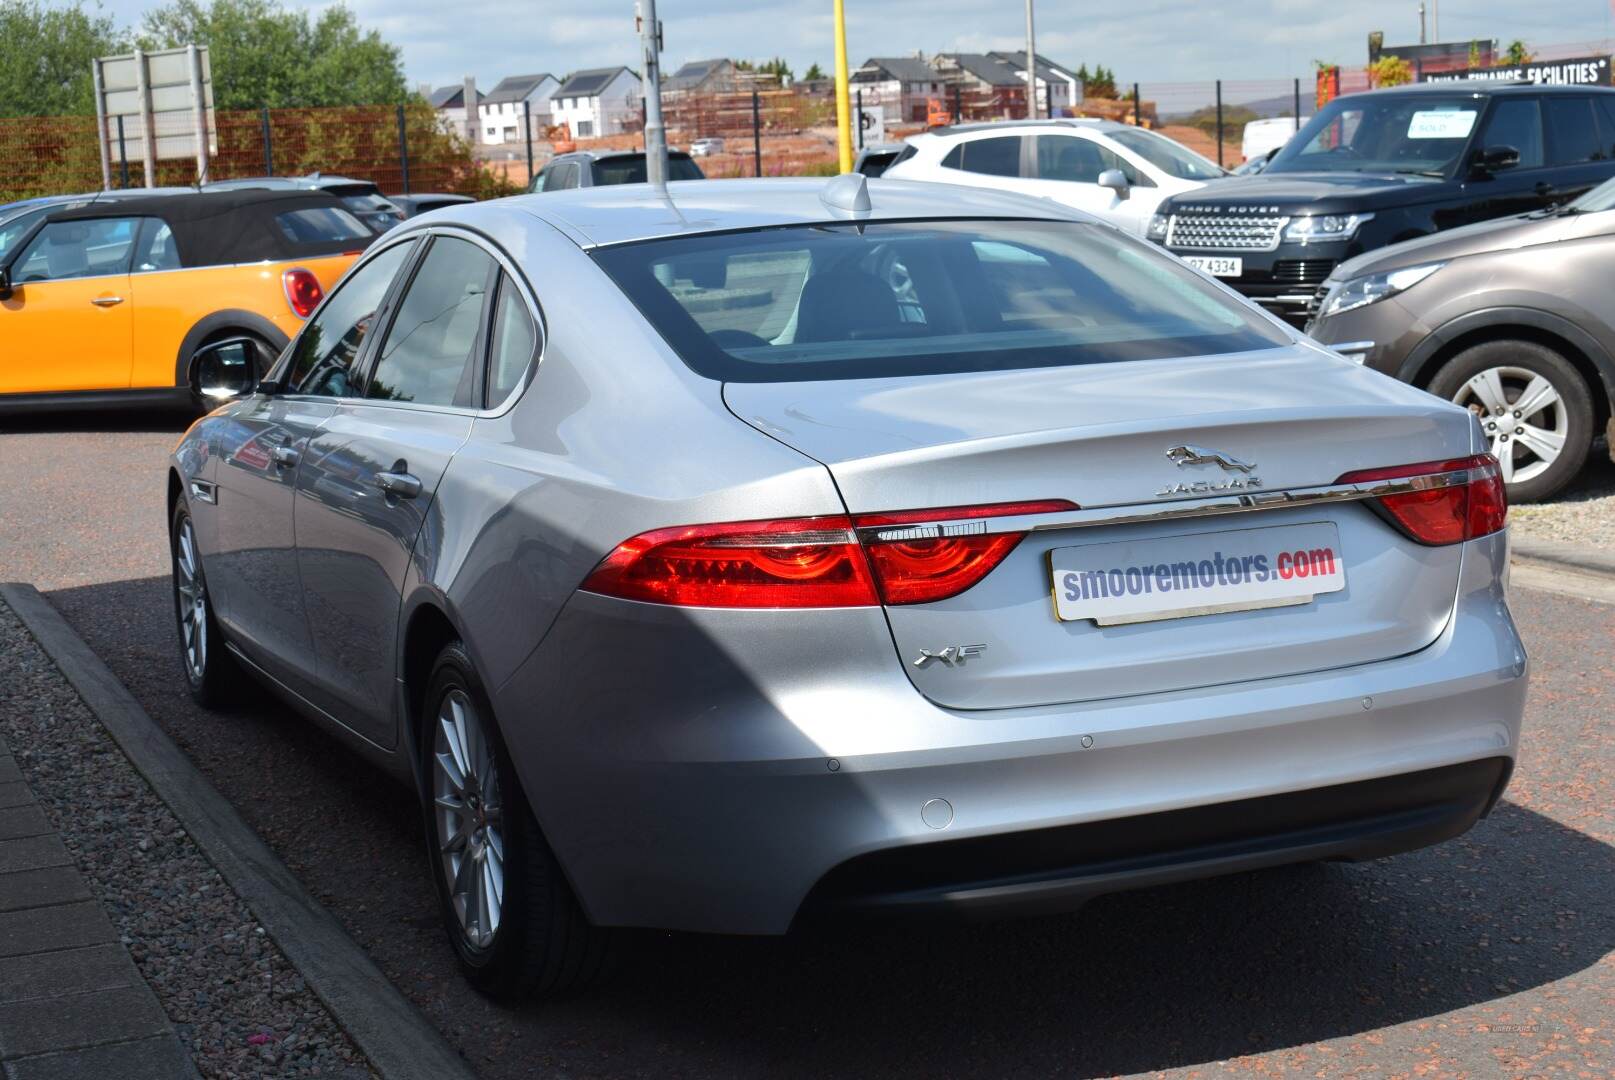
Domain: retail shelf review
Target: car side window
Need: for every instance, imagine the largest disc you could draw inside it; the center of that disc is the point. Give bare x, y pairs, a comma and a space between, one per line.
1606, 123
324, 353
156, 249
1517, 122
76, 249
431, 353
1079, 160
997, 156
12, 232
1572, 132
515, 342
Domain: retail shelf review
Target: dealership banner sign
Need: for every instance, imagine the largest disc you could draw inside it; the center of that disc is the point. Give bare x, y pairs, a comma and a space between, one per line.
1577, 71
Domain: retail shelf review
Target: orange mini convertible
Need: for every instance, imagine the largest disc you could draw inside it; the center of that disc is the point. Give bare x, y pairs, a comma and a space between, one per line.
110, 303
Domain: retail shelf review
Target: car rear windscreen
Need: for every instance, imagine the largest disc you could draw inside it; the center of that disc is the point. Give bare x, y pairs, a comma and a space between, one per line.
320, 225
631, 170
868, 300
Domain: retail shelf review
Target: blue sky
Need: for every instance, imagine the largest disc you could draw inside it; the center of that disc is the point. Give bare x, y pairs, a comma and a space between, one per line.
1146, 40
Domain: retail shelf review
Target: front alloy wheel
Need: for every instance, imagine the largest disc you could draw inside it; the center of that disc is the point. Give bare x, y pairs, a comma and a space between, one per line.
210, 672
1533, 406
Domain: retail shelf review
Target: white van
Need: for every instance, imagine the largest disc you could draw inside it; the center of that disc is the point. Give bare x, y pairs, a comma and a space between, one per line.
1264, 136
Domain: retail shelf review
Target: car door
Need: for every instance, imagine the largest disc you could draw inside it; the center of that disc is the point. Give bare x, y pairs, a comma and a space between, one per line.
366, 488
67, 324
1577, 160
254, 572
1514, 122
1068, 169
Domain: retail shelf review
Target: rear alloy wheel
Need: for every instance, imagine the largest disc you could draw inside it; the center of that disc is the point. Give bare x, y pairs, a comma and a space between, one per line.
210, 672
1533, 406
509, 912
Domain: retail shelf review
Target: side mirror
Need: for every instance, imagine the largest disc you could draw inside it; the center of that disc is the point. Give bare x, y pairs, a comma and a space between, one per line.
5, 283
1116, 181
1496, 159
225, 370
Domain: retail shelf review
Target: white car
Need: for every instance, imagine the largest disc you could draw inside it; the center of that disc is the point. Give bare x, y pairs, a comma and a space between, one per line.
1115, 171
1262, 137
706, 147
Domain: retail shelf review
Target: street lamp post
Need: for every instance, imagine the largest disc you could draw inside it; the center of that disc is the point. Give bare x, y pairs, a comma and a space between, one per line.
1031, 66
650, 40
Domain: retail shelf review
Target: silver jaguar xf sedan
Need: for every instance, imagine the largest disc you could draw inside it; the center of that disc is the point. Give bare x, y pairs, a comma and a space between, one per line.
735, 554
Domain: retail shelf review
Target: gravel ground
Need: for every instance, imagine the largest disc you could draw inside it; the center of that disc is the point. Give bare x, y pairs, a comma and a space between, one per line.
236, 1002
1583, 514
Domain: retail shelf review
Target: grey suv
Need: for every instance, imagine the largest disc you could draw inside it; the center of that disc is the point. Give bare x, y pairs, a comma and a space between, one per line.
1511, 318
589, 168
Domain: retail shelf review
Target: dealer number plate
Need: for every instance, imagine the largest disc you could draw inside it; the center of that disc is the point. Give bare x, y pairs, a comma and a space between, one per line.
1175, 577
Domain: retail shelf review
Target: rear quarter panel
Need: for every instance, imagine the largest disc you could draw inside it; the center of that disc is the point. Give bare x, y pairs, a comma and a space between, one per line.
169, 304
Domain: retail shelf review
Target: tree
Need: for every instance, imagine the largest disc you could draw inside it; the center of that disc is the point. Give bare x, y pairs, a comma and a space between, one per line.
1515, 55
264, 55
45, 65
814, 72
1474, 54
1389, 70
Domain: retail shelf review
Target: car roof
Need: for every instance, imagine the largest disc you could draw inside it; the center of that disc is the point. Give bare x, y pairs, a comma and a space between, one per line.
607, 155
300, 183
1084, 123
214, 228
1482, 87
623, 213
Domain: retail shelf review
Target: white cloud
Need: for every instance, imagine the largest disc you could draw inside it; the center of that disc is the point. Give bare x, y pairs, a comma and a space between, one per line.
1147, 40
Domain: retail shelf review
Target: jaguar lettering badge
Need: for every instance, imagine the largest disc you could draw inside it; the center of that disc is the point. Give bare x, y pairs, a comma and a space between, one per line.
1198, 455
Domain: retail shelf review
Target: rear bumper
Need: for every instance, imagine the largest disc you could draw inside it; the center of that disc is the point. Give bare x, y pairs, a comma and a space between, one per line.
699, 770
1056, 869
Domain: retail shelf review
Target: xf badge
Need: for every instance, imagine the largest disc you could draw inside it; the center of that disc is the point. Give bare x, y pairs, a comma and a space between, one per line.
952, 656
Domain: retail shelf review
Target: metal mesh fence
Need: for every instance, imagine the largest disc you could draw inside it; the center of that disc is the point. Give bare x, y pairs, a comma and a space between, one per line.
398, 148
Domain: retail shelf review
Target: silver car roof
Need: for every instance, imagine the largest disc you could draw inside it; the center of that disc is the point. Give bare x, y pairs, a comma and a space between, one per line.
622, 213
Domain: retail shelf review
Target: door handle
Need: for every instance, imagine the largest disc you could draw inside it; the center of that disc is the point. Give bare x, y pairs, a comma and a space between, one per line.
1545, 189
284, 456
401, 485
107, 301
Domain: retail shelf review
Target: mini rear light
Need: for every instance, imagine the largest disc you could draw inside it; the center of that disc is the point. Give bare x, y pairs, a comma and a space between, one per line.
1437, 510
303, 291
813, 562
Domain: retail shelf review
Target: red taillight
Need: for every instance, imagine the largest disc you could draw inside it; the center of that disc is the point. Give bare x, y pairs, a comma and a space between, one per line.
802, 562
925, 563
812, 562
1449, 514
303, 291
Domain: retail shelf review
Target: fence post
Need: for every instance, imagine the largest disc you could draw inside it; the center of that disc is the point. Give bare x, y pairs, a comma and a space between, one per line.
958, 108
757, 130
1219, 123
1297, 104
269, 143
1137, 120
403, 148
858, 111
123, 155
101, 131
527, 126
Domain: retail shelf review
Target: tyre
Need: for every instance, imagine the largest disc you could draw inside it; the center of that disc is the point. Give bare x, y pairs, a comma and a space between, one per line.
511, 916
1534, 407
211, 673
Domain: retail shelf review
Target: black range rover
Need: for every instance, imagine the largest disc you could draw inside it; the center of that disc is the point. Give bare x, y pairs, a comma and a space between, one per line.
1388, 165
